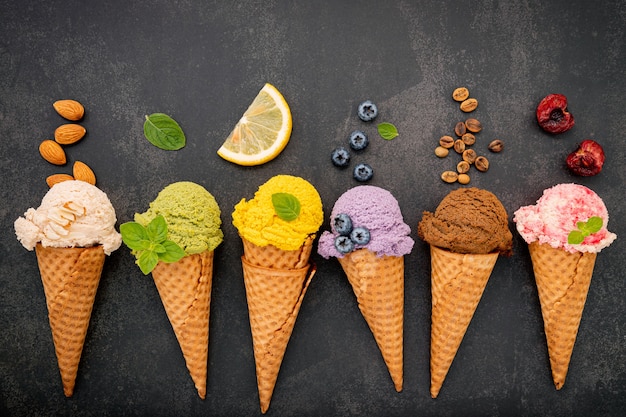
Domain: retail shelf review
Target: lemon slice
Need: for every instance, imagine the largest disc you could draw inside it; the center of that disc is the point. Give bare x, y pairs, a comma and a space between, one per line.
262, 132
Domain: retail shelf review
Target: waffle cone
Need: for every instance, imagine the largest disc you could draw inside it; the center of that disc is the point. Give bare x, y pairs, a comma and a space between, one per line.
70, 278
457, 284
185, 291
563, 280
378, 283
274, 293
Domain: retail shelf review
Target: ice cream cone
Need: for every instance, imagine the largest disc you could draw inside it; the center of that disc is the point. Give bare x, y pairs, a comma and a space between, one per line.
563, 280
70, 278
185, 290
276, 282
458, 281
378, 283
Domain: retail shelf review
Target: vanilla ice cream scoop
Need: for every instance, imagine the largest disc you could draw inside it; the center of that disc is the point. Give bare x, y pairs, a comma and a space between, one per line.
71, 214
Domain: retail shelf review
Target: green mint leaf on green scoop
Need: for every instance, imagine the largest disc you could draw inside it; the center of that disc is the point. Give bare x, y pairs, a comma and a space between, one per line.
172, 253
592, 225
387, 131
163, 132
157, 229
149, 244
286, 206
135, 236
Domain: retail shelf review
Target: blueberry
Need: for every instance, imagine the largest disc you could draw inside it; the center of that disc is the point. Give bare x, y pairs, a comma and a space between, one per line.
340, 157
363, 172
360, 235
343, 244
342, 224
358, 140
367, 111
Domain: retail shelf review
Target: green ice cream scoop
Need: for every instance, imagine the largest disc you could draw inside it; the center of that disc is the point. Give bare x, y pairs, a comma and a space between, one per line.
192, 216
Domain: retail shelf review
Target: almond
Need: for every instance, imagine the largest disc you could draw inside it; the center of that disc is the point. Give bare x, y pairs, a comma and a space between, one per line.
57, 178
69, 133
83, 173
69, 109
52, 152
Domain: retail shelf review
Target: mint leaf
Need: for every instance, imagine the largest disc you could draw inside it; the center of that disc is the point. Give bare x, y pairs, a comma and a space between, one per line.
594, 224
163, 132
286, 206
147, 260
158, 248
134, 236
575, 237
157, 229
150, 243
172, 253
387, 131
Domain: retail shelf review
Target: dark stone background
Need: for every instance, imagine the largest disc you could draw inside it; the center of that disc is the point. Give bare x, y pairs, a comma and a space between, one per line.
202, 62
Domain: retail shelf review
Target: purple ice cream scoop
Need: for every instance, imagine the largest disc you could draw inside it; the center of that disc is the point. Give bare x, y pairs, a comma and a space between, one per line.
373, 209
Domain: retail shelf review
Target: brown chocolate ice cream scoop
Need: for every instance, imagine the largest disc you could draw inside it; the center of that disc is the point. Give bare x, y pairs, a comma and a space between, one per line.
468, 220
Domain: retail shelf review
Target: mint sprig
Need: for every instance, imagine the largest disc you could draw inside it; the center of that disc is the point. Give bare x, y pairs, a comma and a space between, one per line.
150, 244
387, 131
592, 225
163, 132
286, 206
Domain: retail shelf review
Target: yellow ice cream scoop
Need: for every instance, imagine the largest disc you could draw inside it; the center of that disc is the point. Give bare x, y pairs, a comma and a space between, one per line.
283, 213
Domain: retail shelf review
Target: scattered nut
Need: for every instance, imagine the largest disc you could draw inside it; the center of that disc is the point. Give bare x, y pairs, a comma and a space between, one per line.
441, 152
69, 133
460, 129
460, 94
481, 163
459, 146
446, 141
462, 167
69, 109
57, 178
496, 146
469, 155
469, 105
52, 152
473, 125
82, 172
468, 139
464, 179
449, 176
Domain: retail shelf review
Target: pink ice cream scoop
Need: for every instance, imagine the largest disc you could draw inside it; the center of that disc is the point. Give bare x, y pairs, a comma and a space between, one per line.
366, 217
557, 214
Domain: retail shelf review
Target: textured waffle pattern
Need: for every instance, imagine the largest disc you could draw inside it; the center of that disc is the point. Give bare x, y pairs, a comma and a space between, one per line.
457, 284
70, 278
185, 290
563, 281
274, 298
378, 283
272, 257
